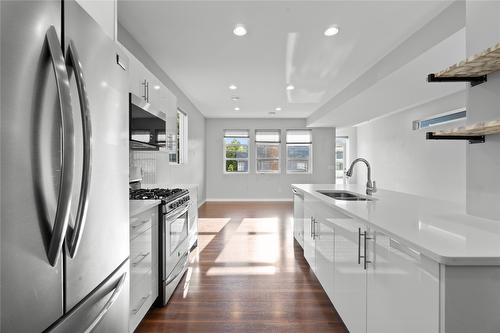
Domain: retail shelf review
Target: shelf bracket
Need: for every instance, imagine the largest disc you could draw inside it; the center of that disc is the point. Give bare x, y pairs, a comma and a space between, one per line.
471, 138
474, 80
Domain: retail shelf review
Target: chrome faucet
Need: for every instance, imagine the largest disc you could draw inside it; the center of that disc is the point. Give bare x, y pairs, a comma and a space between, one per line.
371, 187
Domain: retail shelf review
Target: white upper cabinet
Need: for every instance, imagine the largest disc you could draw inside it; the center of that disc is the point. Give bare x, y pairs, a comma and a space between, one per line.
403, 289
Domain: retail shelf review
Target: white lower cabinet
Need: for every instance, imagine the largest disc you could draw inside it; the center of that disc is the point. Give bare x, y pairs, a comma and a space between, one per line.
349, 293
375, 283
298, 217
309, 242
402, 289
143, 264
324, 248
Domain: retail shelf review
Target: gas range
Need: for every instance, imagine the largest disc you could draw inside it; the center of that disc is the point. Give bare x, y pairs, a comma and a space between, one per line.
170, 198
173, 236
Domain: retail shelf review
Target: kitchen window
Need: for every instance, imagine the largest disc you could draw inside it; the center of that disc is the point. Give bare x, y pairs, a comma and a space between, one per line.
236, 151
182, 137
299, 151
267, 151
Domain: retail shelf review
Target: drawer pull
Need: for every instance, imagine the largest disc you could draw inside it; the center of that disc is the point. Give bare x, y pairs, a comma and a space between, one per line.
137, 225
141, 258
143, 301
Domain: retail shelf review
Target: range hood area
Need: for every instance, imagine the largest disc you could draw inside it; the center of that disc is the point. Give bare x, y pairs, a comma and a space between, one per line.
147, 125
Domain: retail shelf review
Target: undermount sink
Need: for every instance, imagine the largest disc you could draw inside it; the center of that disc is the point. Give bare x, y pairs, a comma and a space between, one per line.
344, 195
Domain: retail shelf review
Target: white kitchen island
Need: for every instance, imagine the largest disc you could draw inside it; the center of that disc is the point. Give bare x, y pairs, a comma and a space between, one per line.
403, 263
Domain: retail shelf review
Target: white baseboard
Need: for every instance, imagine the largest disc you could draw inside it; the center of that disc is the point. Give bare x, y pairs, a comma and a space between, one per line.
248, 200
201, 203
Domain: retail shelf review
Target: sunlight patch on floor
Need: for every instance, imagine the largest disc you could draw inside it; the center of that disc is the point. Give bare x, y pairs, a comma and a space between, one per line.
214, 225
265, 225
208, 229
256, 241
242, 270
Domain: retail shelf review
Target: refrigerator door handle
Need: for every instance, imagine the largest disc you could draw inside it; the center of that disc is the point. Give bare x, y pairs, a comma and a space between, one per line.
117, 290
62, 215
74, 65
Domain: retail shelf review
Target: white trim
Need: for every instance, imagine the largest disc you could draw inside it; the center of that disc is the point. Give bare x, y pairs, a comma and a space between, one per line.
201, 203
247, 200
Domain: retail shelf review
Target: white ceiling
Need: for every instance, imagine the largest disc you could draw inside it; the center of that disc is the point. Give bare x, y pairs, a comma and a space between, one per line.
193, 42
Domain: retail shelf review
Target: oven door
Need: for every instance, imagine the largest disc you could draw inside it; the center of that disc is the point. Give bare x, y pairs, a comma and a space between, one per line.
175, 236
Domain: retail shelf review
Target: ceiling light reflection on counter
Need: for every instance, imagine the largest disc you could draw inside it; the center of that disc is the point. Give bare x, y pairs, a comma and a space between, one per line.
290, 87
236, 109
233, 87
240, 30
331, 31
278, 109
157, 87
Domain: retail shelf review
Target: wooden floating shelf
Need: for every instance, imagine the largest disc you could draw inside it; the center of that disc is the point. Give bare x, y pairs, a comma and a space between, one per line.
473, 133
474, 69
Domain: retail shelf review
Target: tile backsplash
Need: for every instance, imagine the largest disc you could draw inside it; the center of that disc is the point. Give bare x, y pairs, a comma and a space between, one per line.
146, 161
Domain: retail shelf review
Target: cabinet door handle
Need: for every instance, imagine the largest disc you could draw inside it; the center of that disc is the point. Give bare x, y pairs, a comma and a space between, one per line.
140, 224
142, 257
145, 95
359, 246
143, 301
317, 234
364, 256
365, 262
311, 227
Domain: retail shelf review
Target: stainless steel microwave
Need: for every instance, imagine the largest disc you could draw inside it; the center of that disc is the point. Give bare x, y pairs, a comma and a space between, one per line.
147, 125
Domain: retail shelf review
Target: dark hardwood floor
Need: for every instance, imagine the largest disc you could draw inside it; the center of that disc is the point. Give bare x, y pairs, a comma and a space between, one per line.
247, 275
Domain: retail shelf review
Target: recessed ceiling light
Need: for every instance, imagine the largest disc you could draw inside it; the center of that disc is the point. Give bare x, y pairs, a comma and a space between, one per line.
235, 98
236, 109
233, 87
157, 87
240, 30
278, 109
290, 87
331, 31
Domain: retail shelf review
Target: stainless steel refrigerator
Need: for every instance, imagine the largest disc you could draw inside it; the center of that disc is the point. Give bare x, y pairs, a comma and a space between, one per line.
64, 172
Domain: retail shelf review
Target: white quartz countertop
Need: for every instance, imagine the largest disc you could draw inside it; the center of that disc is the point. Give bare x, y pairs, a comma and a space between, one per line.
438, 229
138, 206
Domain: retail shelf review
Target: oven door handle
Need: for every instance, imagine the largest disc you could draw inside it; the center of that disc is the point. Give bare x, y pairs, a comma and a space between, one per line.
177, 212
184, 264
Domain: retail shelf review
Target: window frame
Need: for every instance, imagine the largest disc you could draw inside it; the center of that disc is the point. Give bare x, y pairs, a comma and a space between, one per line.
268, 143
182, 136
310, 160
235, 159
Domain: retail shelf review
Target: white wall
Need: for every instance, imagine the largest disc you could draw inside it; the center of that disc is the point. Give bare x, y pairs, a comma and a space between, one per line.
403, 160
254, 186
103, 12
352, 147
483, 160
193, 171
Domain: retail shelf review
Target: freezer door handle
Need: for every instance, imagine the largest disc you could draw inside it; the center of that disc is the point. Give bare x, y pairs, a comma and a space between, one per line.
62, 215
117, 290
74, 67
